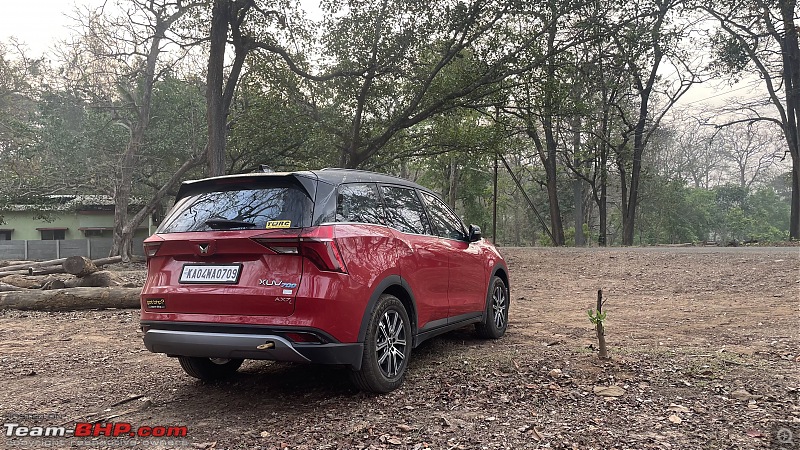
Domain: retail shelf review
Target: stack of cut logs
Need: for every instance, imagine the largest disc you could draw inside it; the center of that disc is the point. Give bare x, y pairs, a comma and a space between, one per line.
27, 286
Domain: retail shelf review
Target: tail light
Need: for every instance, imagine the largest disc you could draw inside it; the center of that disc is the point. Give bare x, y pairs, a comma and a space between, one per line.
151, 248
317, 245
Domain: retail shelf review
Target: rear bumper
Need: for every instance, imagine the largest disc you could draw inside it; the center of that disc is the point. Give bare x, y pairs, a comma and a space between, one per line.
224, 341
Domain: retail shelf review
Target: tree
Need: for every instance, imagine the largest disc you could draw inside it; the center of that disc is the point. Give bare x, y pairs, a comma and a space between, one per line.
698, 156
761, 37
460, 171
644, 46
20, 76
247, 25
392, 65
751, 149
116, 64
269, 126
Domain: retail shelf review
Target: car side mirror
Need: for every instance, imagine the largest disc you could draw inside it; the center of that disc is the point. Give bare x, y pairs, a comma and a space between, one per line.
474, 233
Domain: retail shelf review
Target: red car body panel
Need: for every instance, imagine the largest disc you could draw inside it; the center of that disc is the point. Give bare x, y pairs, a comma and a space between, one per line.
321, 279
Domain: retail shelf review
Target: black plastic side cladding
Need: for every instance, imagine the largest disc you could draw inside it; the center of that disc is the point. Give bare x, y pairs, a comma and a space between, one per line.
391, 280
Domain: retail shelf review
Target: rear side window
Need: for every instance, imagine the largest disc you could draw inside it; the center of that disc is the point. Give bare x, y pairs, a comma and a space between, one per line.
404, 210
273, 207
359, 202
445, 223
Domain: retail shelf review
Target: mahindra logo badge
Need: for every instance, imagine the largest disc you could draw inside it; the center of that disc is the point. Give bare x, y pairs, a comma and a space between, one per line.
203, 248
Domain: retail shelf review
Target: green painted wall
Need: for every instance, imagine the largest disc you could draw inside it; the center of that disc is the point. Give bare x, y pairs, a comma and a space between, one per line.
25, 223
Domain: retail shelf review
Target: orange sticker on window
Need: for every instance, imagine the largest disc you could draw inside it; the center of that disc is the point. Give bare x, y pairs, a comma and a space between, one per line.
279, 224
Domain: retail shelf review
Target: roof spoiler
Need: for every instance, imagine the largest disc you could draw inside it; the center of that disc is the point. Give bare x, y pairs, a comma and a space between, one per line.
305, 180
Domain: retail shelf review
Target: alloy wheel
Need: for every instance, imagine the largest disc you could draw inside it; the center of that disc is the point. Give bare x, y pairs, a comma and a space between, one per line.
391, 344
499, 306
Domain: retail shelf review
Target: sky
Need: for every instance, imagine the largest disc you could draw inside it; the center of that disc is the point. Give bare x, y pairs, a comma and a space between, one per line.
41, 23
37, 23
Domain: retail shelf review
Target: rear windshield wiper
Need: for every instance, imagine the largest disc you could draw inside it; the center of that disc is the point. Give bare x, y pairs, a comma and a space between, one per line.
225, 224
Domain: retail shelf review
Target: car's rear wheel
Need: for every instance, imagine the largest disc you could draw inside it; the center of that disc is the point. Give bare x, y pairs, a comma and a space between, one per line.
495, 323
209, 369
387, 347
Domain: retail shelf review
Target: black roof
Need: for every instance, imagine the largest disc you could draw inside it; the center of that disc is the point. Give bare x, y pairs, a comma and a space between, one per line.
338, 176
334, 176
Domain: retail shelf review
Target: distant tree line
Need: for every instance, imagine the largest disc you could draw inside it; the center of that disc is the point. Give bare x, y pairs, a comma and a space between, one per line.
578, 101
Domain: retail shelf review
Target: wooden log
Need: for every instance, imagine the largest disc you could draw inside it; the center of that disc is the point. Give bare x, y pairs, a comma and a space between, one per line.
30, 272
54, 284
46, 271
34, 265
22, 281
73, 299
9, 287
102, 278
57, 262
80, 266
6, 273
39, 269
6, 263
110, 260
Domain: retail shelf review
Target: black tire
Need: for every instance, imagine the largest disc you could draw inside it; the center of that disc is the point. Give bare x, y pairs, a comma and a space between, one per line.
495, 322
387, 347
209, 369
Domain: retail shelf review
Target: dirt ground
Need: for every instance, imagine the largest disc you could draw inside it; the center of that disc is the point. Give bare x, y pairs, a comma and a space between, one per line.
704, 342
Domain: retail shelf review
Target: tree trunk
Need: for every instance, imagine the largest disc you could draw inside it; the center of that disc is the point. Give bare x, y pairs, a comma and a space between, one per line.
791, 82
602, 203
74, 299
794, 221
143, 95
220, 17
549, 159
154, 201
602, 238
494, 202
577, 183
452, 181
226, 15
629, 212
644, 86
123, 232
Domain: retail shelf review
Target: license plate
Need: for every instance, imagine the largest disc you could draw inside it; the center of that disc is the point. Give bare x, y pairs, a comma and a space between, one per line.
211, 273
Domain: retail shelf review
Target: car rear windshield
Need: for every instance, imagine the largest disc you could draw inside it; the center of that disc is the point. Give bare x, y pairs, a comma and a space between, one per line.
237, 209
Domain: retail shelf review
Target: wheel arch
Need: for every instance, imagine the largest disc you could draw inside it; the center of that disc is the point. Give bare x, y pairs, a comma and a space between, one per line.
501, 271
394, 285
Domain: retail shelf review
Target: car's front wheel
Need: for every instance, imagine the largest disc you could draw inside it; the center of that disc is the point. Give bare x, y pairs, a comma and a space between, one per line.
209, 369
387, 347
496, 317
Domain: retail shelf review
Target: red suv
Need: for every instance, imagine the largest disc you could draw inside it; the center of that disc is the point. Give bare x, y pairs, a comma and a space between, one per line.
332, 266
